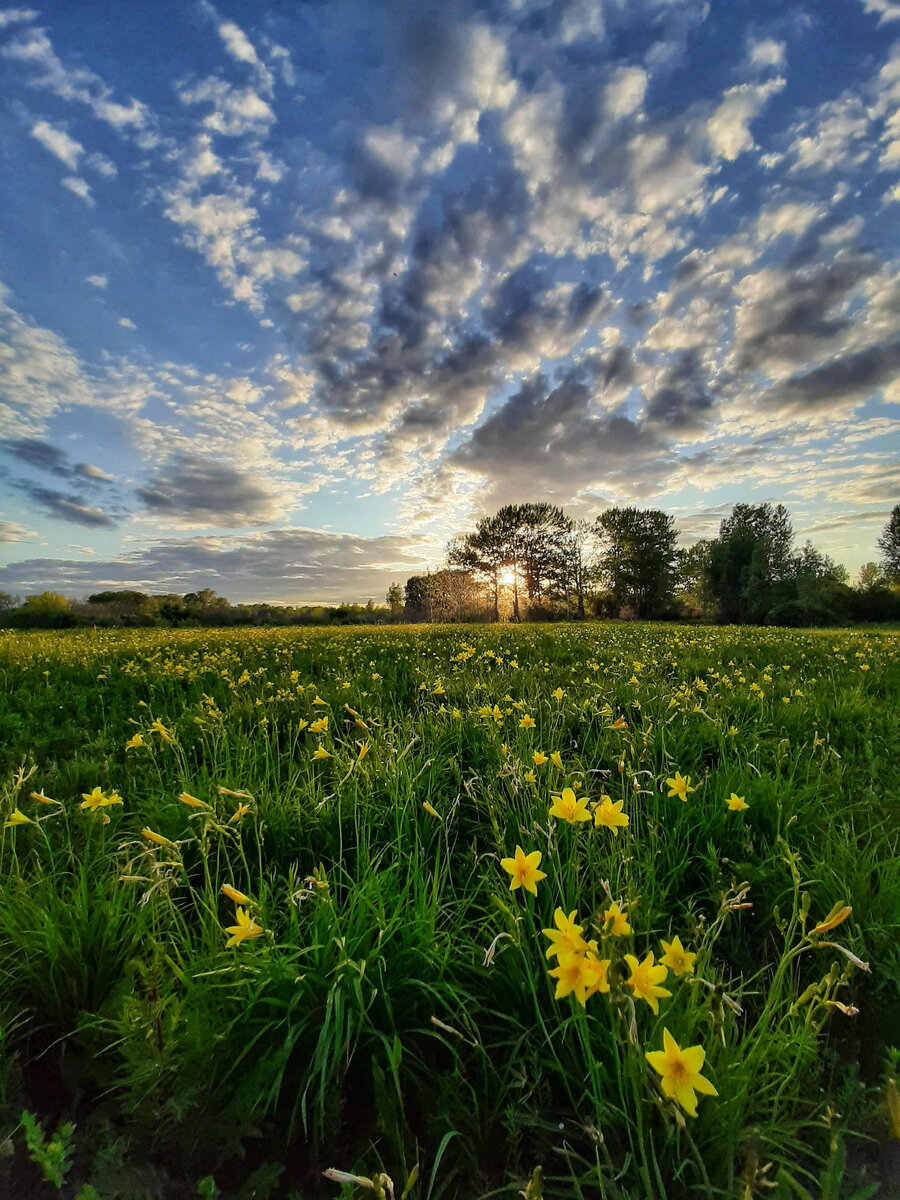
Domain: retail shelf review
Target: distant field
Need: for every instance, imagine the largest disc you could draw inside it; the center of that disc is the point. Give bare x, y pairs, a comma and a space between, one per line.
386, 1003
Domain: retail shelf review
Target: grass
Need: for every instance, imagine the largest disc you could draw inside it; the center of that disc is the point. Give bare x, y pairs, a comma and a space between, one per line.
396, 1013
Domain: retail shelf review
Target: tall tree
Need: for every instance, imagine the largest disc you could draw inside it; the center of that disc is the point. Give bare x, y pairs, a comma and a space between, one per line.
486, 553
637, 557
395, 601
750, 557
889, 545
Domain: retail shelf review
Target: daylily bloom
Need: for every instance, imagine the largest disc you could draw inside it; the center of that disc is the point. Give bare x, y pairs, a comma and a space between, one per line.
527, 722
233, 894
618, 918
680, 1071
539, 758
530, 777
736, 803
609, 813
245, 929
566, 937
645, 978
319, 726
558, 694
596, 970
569, 807
524, 870
675, 957
99, 799
158, 838
191, 801
135, 742
321, 752
164, 733
837, 916
242, 810
18, 818
431, 810
572, 977
621, 723
41, 798
556, 759
680, 786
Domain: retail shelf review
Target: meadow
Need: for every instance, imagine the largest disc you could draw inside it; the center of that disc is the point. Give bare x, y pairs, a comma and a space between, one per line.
597, 910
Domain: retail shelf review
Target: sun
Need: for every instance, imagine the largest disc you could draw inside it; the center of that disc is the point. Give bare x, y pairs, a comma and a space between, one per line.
507, 577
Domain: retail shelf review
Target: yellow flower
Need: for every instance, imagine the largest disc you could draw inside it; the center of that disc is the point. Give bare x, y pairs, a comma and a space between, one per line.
319, 726
675, 957
645, 978
736, 803
134, 743
99, 799
569, 807
566, 937
321, 752
571, 977
191, 801
609, 813
680, 1071
233, 894
621, 723
596, 970
539, 759
558, 694
524, 870
41, 798
527, 722
363, 750
618, 919
556, 759
680, 786
431, 810
836, 917
18, 818
530, 777
164, 733
156, 837
242, 810
320, 702
245, 929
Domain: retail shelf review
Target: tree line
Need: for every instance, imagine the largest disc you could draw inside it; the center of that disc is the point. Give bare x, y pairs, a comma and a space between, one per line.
533, 562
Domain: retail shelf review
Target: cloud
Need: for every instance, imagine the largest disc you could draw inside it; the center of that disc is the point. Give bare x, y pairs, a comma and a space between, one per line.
848, 377
11, 532
62, 507
292, 565
97, 281
728, 128
80, 188
33, 50
58, 142
192, 490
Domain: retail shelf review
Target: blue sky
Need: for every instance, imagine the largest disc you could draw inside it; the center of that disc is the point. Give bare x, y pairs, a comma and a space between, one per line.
290, 293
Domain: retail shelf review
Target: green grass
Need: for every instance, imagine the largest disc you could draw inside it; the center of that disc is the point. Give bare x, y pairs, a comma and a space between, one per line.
397, 1014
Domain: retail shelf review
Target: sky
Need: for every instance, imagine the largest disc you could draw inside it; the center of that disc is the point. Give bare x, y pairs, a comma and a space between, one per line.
292, 292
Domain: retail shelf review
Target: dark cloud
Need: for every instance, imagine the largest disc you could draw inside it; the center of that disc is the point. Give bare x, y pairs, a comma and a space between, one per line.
850, 376
683, 401
297, 565
65, 507
558, 436
798, 315
190, 489
32, 452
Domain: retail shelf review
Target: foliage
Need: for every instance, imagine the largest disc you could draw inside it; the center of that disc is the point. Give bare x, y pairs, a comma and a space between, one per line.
256, 917
889, 545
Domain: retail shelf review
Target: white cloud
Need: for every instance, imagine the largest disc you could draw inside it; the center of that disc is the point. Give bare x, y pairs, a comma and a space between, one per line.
126, 323
625, 92
790, 218
728, 128
237, 43
888, 10
58, 142
768, 53
97, 281
80, 188
34, 50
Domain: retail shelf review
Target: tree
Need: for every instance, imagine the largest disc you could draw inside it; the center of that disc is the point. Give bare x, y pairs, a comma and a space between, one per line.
692, 578
395, 601
8, 601
870, 577
486, 553
637, 557
889, 545
749, 559
577, 563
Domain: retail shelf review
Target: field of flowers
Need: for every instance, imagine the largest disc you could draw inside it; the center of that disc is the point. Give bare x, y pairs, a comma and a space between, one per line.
574, 911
